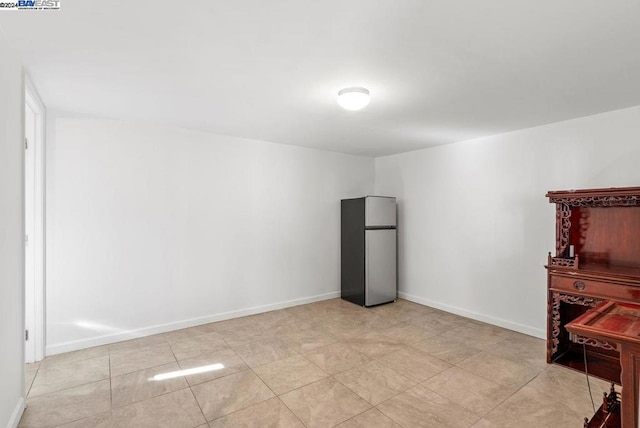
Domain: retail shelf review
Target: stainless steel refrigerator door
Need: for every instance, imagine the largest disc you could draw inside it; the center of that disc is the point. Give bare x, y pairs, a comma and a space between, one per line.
380, 266
380, 211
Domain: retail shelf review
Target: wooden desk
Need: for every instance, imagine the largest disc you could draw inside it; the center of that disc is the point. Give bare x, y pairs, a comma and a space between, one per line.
612, 325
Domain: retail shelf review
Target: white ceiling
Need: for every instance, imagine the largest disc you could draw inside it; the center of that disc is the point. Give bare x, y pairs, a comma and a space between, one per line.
439, 71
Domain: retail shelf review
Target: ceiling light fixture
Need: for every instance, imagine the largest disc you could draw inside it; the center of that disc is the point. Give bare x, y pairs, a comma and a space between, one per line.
353, 98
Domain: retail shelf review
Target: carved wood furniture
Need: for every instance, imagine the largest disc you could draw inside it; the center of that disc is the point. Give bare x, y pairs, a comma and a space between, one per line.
612, 325
597, 258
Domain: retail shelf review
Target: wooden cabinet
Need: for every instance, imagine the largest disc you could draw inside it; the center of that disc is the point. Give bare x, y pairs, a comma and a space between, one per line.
597, 258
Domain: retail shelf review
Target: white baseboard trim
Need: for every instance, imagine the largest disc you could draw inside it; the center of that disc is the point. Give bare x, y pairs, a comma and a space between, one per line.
520, 328
14, 420
75, 345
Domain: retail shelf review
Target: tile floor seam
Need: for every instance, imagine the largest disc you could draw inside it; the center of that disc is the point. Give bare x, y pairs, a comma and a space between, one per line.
32, 380
151, 398
389, 416
514, 393
135, 403
431, 355
540, 374
522, 387
110, 384
65, 422
248, 342
355, 416
488, 380
274, 396
216, 378
254, 404
384, 362
491, 380
68, 388
303, 386
183, 377
394, 371
300, 387
193, 394
315, 365
265, 384
54, 366
64, 388
237, 410
70, 422
458, 405
147, 398
146, 368
466, 408
292, 412
375, 405
324, 346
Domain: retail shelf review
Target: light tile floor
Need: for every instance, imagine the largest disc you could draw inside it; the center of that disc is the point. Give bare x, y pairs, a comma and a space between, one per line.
326, 364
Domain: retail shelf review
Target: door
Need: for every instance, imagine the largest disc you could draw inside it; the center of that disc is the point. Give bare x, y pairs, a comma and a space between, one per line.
29, 230
380, 266
34, 119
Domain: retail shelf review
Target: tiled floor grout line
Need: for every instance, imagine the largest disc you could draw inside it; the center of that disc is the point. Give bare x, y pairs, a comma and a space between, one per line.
377, 359
110, 384
249, 368
146, 368
32, 380
188, 386
193, 394
150, 398
68, 388
275, 396
292, 412
355, 416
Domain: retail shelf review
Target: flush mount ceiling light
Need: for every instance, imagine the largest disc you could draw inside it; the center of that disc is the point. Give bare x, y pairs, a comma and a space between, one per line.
353, 98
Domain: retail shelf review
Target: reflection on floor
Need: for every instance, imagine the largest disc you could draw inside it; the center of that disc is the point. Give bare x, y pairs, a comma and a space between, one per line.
330, 363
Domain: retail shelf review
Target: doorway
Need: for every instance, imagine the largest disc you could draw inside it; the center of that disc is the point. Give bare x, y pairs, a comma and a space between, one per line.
34, 121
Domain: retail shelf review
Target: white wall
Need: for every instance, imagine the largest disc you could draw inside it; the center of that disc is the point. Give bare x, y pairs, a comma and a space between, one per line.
474, 224
151, 228
11, 239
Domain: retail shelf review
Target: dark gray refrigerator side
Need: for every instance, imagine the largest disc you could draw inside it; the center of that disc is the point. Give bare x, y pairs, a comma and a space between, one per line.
352, 249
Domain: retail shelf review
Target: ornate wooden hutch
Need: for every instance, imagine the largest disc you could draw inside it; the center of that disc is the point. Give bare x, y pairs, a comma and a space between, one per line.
597, 258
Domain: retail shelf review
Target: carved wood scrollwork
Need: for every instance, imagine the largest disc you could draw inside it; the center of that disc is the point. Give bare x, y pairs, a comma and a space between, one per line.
598, 201
555, 313
563, 225
555, 323
598, 343
562, 262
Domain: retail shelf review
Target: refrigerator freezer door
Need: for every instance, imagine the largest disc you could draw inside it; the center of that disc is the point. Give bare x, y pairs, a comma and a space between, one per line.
380, 266
380, 211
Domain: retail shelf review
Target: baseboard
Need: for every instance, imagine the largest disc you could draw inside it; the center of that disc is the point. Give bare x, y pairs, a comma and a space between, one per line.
14, 420
520, 328
75, 345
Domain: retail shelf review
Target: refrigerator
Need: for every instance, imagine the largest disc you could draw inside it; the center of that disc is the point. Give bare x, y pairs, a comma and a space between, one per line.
368, 250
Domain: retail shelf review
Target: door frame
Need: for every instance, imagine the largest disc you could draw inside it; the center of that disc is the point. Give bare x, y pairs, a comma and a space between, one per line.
38, 332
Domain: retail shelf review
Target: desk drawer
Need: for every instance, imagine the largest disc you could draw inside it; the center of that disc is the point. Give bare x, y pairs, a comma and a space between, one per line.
604, 290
